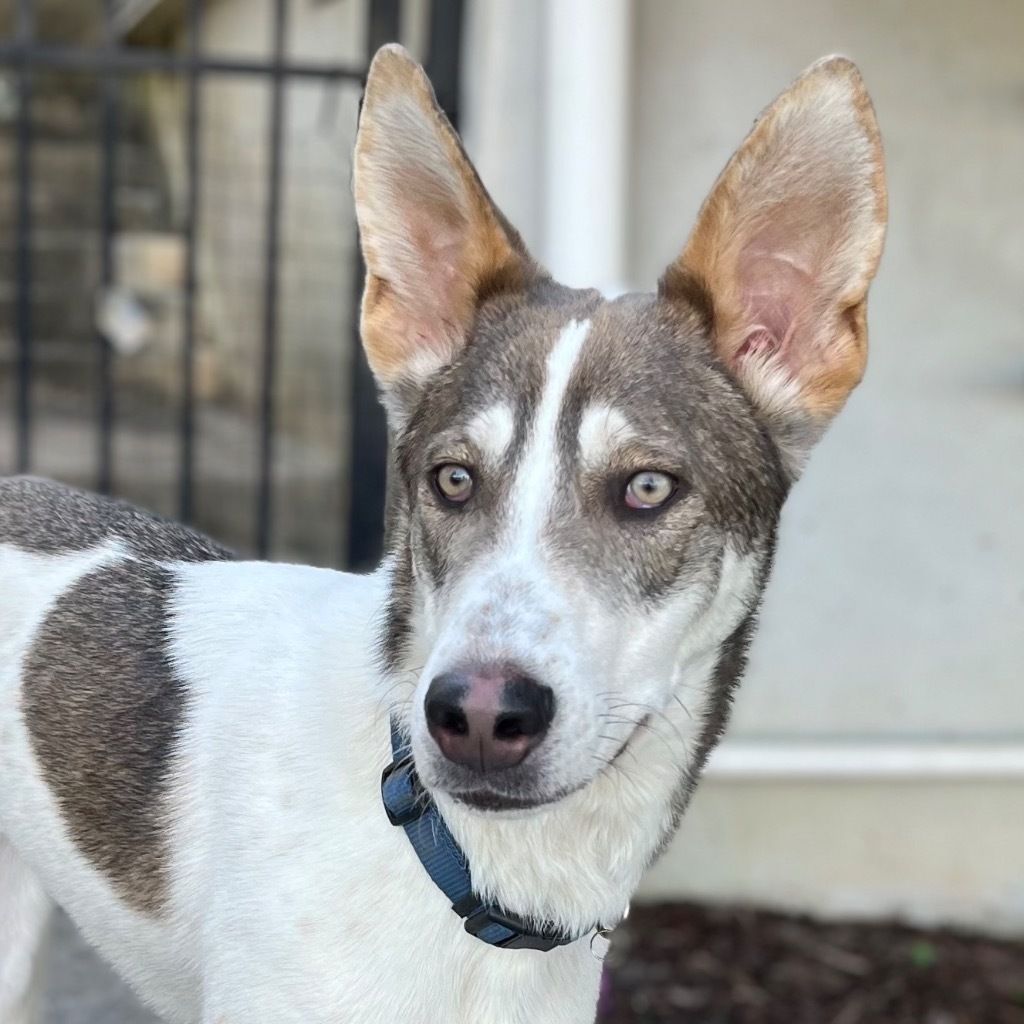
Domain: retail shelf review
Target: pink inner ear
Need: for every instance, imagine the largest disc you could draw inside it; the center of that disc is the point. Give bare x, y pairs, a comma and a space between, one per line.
432, 252
431, 281
759, 343
776, 292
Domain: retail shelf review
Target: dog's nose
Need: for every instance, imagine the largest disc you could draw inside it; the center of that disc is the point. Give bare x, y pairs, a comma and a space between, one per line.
488, 720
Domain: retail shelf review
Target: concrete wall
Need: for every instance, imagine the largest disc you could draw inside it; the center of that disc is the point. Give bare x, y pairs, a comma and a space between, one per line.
896, 615
318, 230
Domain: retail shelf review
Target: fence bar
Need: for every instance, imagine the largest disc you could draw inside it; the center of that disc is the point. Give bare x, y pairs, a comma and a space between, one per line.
271, 284
193, 141
111, 117
133, 62
368, 440
23, 247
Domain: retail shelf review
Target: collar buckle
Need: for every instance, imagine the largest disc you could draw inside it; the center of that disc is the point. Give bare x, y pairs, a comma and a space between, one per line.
488, 923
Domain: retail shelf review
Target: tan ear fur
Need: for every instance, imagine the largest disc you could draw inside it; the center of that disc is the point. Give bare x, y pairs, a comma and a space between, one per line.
433, 241
787, 244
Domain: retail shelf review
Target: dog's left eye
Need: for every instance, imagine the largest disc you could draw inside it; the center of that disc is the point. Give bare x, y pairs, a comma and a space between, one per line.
453, 482
650, 489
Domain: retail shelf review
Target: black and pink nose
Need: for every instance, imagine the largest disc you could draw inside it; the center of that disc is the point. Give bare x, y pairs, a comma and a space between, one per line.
488, 720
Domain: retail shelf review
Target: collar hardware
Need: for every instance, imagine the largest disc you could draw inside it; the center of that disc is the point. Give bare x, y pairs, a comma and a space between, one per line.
481, 916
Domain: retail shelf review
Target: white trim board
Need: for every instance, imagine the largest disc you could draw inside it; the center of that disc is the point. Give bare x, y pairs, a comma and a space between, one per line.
840, 760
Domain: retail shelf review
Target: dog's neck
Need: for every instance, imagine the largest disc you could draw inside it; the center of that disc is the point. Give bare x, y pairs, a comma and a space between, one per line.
576, 863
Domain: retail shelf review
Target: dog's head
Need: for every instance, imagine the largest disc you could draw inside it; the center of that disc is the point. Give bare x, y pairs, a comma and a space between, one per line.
585, 493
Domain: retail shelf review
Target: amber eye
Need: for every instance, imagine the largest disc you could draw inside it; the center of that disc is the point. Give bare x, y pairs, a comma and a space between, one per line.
650, 489
453, 482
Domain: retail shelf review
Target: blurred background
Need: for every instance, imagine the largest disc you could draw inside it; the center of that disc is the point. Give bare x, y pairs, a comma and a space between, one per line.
178, 289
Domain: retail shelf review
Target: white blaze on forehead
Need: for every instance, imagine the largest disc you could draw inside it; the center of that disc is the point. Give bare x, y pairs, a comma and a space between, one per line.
539, 467
492, 431
602, 430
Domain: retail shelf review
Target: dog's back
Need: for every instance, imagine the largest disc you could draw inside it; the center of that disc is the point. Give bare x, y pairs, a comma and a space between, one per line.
41, 517
85, 583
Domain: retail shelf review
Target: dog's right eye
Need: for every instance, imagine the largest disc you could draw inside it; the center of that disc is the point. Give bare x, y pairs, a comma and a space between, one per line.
454, 483
650, 490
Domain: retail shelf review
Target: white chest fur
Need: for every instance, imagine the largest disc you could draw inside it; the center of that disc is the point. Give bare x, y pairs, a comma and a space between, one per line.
292, 898
314, 907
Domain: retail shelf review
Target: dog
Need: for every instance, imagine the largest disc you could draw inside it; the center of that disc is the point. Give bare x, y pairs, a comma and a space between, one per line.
273, 793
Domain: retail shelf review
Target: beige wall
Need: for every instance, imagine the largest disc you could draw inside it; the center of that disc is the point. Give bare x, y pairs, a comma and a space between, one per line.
927, 852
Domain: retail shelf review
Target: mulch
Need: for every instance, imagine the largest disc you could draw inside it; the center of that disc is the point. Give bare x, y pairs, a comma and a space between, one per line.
698, 965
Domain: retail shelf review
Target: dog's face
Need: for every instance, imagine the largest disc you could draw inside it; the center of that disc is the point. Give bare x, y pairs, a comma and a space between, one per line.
586, 492
582, 486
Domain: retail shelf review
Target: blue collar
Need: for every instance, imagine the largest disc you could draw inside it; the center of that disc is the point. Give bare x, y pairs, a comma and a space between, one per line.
409, 805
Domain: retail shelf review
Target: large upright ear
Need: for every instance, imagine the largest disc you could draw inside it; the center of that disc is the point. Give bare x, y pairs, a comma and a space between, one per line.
435, 244
786, 246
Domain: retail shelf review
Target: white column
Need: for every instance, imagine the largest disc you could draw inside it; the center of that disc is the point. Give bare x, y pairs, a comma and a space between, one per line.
586, 159
503, 105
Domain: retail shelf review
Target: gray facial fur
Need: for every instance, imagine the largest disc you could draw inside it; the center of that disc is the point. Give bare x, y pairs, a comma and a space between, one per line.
646, 355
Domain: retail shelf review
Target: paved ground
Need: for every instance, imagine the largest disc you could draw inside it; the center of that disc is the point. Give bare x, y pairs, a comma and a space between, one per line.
82, 990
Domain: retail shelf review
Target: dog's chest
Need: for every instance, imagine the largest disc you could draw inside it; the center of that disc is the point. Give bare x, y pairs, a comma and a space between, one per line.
421, 974
289, 896
371, 940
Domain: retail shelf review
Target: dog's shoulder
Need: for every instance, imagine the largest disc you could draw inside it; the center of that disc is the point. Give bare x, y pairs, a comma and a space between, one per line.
87, 593
44, 517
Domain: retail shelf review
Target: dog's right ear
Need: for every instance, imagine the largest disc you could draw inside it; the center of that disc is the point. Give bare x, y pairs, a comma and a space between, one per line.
435, 244
785, 248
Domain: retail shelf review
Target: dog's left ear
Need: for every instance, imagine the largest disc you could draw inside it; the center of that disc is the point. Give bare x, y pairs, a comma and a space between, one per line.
435, 244
786, 246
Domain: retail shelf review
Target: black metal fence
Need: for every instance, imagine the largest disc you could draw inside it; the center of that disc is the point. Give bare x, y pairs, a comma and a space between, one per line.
111, 62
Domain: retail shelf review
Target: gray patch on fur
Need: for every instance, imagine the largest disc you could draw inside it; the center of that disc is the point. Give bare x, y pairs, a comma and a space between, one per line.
103, 707
48, 518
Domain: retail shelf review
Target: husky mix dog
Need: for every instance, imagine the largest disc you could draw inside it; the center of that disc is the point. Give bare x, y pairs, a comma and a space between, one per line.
582, 513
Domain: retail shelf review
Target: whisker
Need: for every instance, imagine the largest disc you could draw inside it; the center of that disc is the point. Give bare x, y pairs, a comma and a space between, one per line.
689, 713
611, 762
